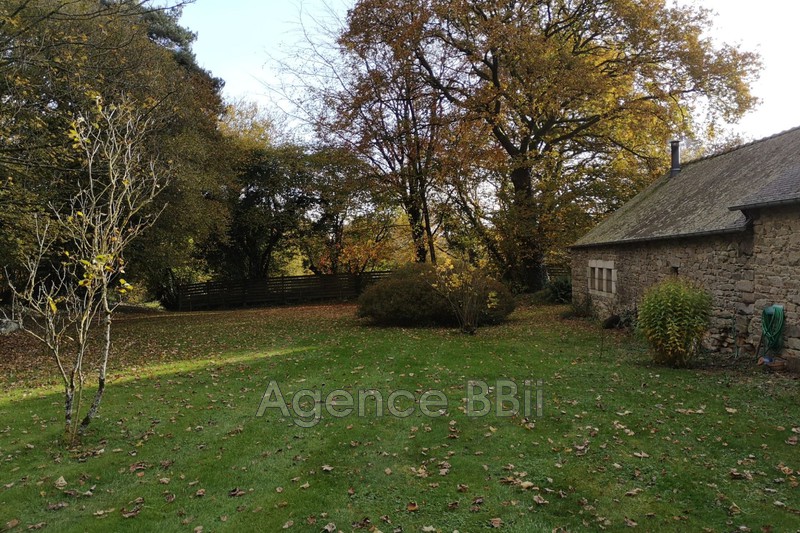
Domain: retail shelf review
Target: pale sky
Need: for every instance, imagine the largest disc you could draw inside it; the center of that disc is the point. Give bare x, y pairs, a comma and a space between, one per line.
237, 38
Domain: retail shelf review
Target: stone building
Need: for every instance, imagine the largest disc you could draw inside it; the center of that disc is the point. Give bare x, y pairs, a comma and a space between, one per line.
730, 222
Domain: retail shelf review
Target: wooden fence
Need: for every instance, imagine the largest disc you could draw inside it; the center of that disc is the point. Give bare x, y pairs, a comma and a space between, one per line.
274, 291
557, 271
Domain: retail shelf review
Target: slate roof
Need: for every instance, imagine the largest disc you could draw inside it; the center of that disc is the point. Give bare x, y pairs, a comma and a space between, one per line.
709, 195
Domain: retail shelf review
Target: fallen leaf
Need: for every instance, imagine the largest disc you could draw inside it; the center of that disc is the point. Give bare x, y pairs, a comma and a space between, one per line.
735, 474
630, 523
330, 528
235, 493
365, 523
539, 500
132, 513
11, 524
634, 492
327, 468
57, 506
138, 466
288, 524
412, 507
200, 493
496, 522
61, 483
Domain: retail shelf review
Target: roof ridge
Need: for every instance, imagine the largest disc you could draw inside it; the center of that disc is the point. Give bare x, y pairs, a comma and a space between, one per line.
739, 147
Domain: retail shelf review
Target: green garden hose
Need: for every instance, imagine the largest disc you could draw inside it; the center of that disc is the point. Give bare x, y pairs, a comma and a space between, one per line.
772, 320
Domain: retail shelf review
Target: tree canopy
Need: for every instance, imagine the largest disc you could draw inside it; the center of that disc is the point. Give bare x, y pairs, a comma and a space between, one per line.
579, 95
60, 58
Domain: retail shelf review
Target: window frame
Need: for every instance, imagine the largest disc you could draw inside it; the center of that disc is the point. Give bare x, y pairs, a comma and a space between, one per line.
601, 278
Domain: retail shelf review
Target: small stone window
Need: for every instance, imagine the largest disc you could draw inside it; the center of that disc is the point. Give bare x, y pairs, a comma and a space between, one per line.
602, 277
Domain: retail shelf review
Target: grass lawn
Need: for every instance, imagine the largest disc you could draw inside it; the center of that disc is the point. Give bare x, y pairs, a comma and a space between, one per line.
620, 443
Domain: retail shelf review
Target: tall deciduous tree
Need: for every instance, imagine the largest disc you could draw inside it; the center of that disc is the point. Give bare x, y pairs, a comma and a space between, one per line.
572, 91
385, 113
273, 191
349, 229
360, 95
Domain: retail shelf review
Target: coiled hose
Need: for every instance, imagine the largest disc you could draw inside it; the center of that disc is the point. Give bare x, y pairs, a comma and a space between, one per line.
772, 321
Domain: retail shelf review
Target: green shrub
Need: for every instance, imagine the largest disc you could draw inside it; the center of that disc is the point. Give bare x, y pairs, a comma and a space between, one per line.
408, 298
556, 291
673, 317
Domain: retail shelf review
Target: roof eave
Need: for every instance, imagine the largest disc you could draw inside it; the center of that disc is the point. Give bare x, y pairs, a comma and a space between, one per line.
761, 205
726, 231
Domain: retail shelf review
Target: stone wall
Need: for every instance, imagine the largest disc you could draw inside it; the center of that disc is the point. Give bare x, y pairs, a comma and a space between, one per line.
723, 264
776, 263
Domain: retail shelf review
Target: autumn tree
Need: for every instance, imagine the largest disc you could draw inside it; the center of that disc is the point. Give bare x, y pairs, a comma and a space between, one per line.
350, 226
575, 93
359, 95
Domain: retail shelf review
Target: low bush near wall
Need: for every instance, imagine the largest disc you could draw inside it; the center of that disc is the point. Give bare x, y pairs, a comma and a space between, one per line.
419, 295
557, 291
673, 317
